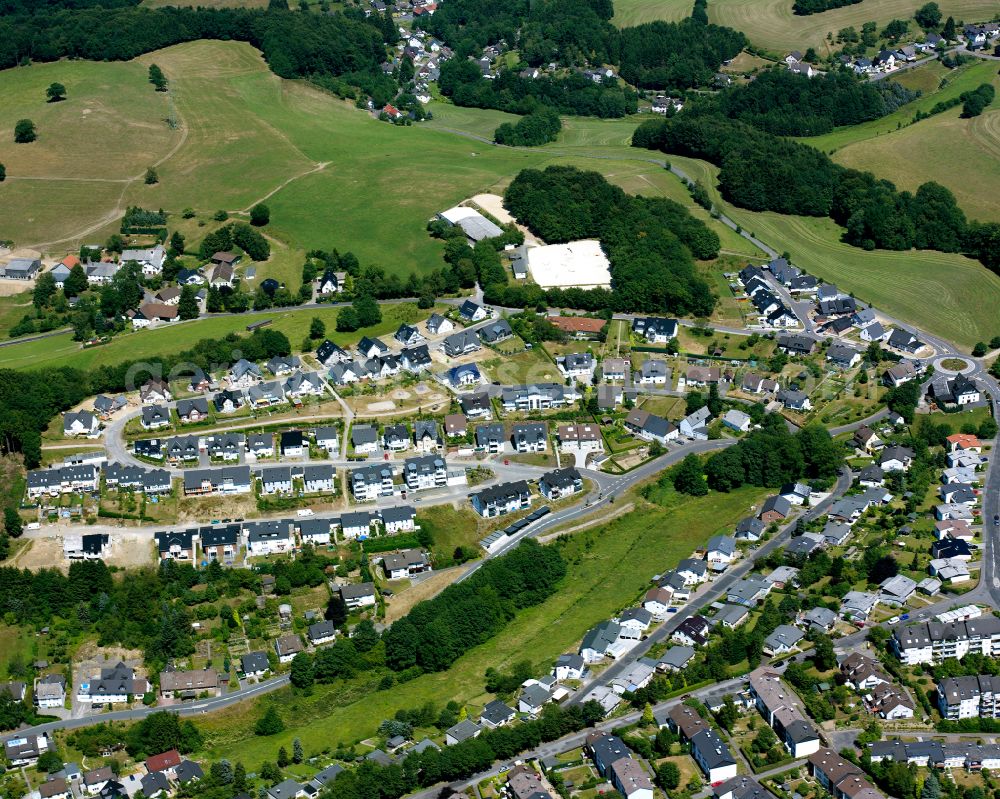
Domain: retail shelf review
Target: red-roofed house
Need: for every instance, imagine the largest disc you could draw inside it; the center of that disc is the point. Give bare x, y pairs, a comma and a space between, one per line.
392, 111
166, 761
964, 442
578, 326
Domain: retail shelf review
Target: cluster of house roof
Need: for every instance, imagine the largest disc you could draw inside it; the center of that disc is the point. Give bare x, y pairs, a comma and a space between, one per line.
772, 312
880, 694
230, 446
222, 542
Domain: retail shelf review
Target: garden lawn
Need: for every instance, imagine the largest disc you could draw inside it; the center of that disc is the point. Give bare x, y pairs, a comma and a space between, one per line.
63, 351
609, 568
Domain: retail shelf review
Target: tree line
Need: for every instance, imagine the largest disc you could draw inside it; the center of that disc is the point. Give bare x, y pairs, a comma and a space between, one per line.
763, 172
436, 632
29, 400
773, 456
651, 243
573, 93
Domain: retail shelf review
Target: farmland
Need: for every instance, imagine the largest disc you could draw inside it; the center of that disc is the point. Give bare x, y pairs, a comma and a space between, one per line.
900, 283
912, 155
772, 25
333, 177
636, 12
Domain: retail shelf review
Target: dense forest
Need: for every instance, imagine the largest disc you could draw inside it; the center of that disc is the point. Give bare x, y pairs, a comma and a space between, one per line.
676, 55
763, 172
781, 102
294, 44
462, 81
651, 243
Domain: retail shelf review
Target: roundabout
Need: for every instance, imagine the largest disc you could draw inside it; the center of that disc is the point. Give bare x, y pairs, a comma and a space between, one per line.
954, 365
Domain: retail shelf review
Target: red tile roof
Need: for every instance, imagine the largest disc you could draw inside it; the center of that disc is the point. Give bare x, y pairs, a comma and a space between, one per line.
164, 761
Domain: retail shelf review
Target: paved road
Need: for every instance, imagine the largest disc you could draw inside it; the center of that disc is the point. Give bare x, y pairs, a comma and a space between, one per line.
188, 709
713, 591
576, 739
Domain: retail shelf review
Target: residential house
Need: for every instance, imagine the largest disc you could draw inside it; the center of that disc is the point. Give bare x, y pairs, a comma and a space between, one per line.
650, 427
580, 438
560, 483
463, 731
653, 372
896, 459
189, 684
470, 312
50, 691
361, 595
425, 472
783, 711
495, 332
370, 482
775, 509
357, 524
750, 529
898, 374
842, 356
406, 563
408, 335
244, 374
113, 685
783, 640
577, 365
364, 439
501, 499
192, 410
694, 424
655, 330
438, 325
461, 343
329, 354
288, 646
529, 437
736, 420
269, 538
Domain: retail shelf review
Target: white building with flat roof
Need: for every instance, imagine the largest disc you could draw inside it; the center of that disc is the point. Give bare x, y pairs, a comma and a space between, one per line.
582, 264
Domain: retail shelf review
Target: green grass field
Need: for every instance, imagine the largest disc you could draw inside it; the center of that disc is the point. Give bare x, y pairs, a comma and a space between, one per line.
946, 294
913, 155
636, 12
609, 567
333, 176
63, 351
772, 25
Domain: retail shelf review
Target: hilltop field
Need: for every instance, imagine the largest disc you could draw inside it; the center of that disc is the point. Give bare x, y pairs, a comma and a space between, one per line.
772, 25
230, 133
